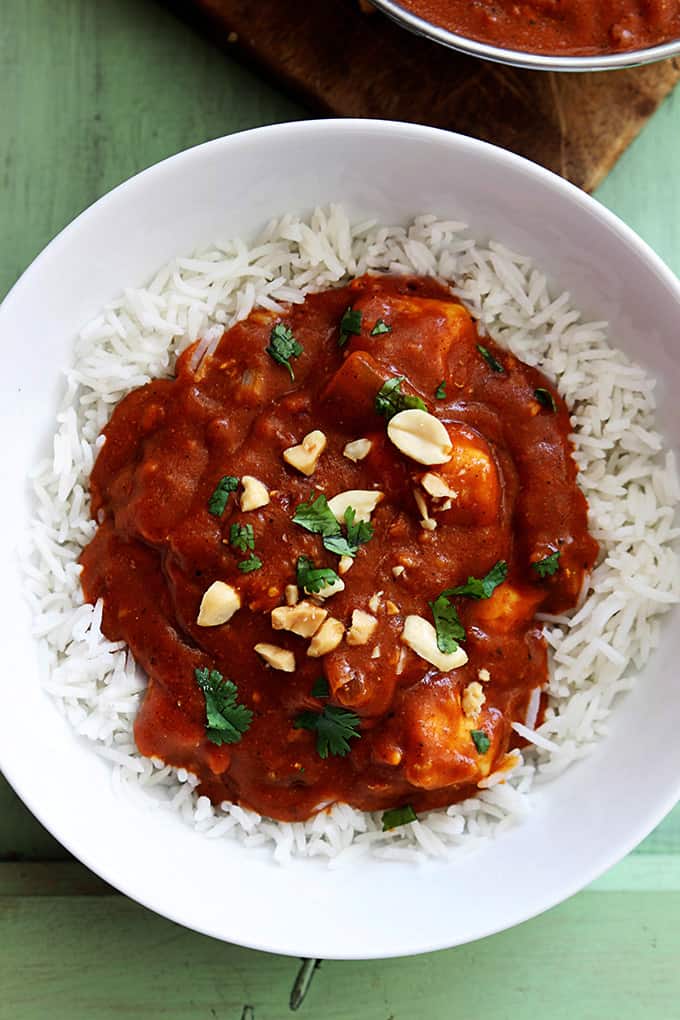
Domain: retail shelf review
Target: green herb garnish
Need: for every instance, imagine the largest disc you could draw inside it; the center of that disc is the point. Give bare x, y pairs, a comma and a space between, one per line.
252, 563
283, 346
440, 392
317, 517
313, 579
217, 503
334, 727
481, 587
492, 362
447, 624
381, 327
357, 535
398, 816
350, 325
545, 399
321, 688
241, 537
481, 741
390, 400
226, 720
548, 566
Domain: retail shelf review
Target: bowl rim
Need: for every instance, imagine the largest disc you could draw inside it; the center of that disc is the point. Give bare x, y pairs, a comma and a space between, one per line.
653, 813
523, 58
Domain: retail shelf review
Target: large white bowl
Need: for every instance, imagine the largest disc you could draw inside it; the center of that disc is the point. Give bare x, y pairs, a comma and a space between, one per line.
584, 821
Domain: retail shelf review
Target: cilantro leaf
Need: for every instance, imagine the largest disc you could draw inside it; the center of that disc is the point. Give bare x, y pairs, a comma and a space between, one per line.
226, 719
334, 727
481, 587
398, 816
545, 399
241, 537
389, 399
283, 346
357, 534
350, 325
447, 624
252, 563
317, 517
548, 566
481, 740
312, 579
217, 503
493, 363
440, 392
320, 688
380, 328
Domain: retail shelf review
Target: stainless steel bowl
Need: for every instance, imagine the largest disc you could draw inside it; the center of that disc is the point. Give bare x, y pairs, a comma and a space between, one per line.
519, 58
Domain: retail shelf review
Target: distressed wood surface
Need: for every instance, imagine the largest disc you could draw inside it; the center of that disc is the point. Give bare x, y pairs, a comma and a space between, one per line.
92, 92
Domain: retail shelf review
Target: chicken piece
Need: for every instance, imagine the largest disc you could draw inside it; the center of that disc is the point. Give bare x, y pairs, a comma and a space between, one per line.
351, 392
424, 330
472, 475
430, 737
509, 608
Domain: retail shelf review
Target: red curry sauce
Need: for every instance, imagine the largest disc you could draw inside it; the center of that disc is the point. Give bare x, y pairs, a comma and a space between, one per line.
566, 27
158, 548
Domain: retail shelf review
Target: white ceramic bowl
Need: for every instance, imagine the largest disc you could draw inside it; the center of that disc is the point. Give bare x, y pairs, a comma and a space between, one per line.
584, 821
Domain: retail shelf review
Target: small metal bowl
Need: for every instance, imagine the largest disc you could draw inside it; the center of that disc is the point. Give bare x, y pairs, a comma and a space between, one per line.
520, 58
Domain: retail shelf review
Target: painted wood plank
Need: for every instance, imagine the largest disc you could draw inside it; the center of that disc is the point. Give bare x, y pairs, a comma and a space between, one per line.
603, 954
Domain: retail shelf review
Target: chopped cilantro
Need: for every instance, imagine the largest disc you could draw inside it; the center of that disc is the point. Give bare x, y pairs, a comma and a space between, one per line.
317, 517
334, 727
481, 741
481, 587
493, 363
350, 325
390, 400
321, 688
440, 392
398, 816
548, 566
357, 534
226, 720
252, 563
545, 399
241, 536
283, 346
447, 624
381, 327
312, 579
217, 503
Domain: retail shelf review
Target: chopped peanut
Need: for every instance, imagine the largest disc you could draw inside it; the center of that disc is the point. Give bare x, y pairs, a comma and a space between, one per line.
426, 521
254, 493
473, 699
420, 436
304, 619
484, 675
362, 628
218, 605
398, 571
374, 601
305, 457
357, 449
363, 501
292, 594
327, 638
276, 657
392, 608
345, 564
436, 486
375, 654
421, 637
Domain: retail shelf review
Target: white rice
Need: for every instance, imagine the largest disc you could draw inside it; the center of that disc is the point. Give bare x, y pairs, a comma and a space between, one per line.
629, 480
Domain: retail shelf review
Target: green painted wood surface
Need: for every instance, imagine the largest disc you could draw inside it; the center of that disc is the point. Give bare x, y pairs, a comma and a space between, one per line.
90, 92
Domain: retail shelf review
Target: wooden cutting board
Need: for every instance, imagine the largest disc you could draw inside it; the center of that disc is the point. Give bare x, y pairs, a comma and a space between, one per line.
348, 64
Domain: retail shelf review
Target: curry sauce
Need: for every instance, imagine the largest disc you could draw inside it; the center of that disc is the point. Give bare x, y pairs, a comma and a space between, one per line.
277, 433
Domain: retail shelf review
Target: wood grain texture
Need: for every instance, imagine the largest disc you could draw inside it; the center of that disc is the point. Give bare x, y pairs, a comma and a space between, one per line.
80, 957
347, 64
